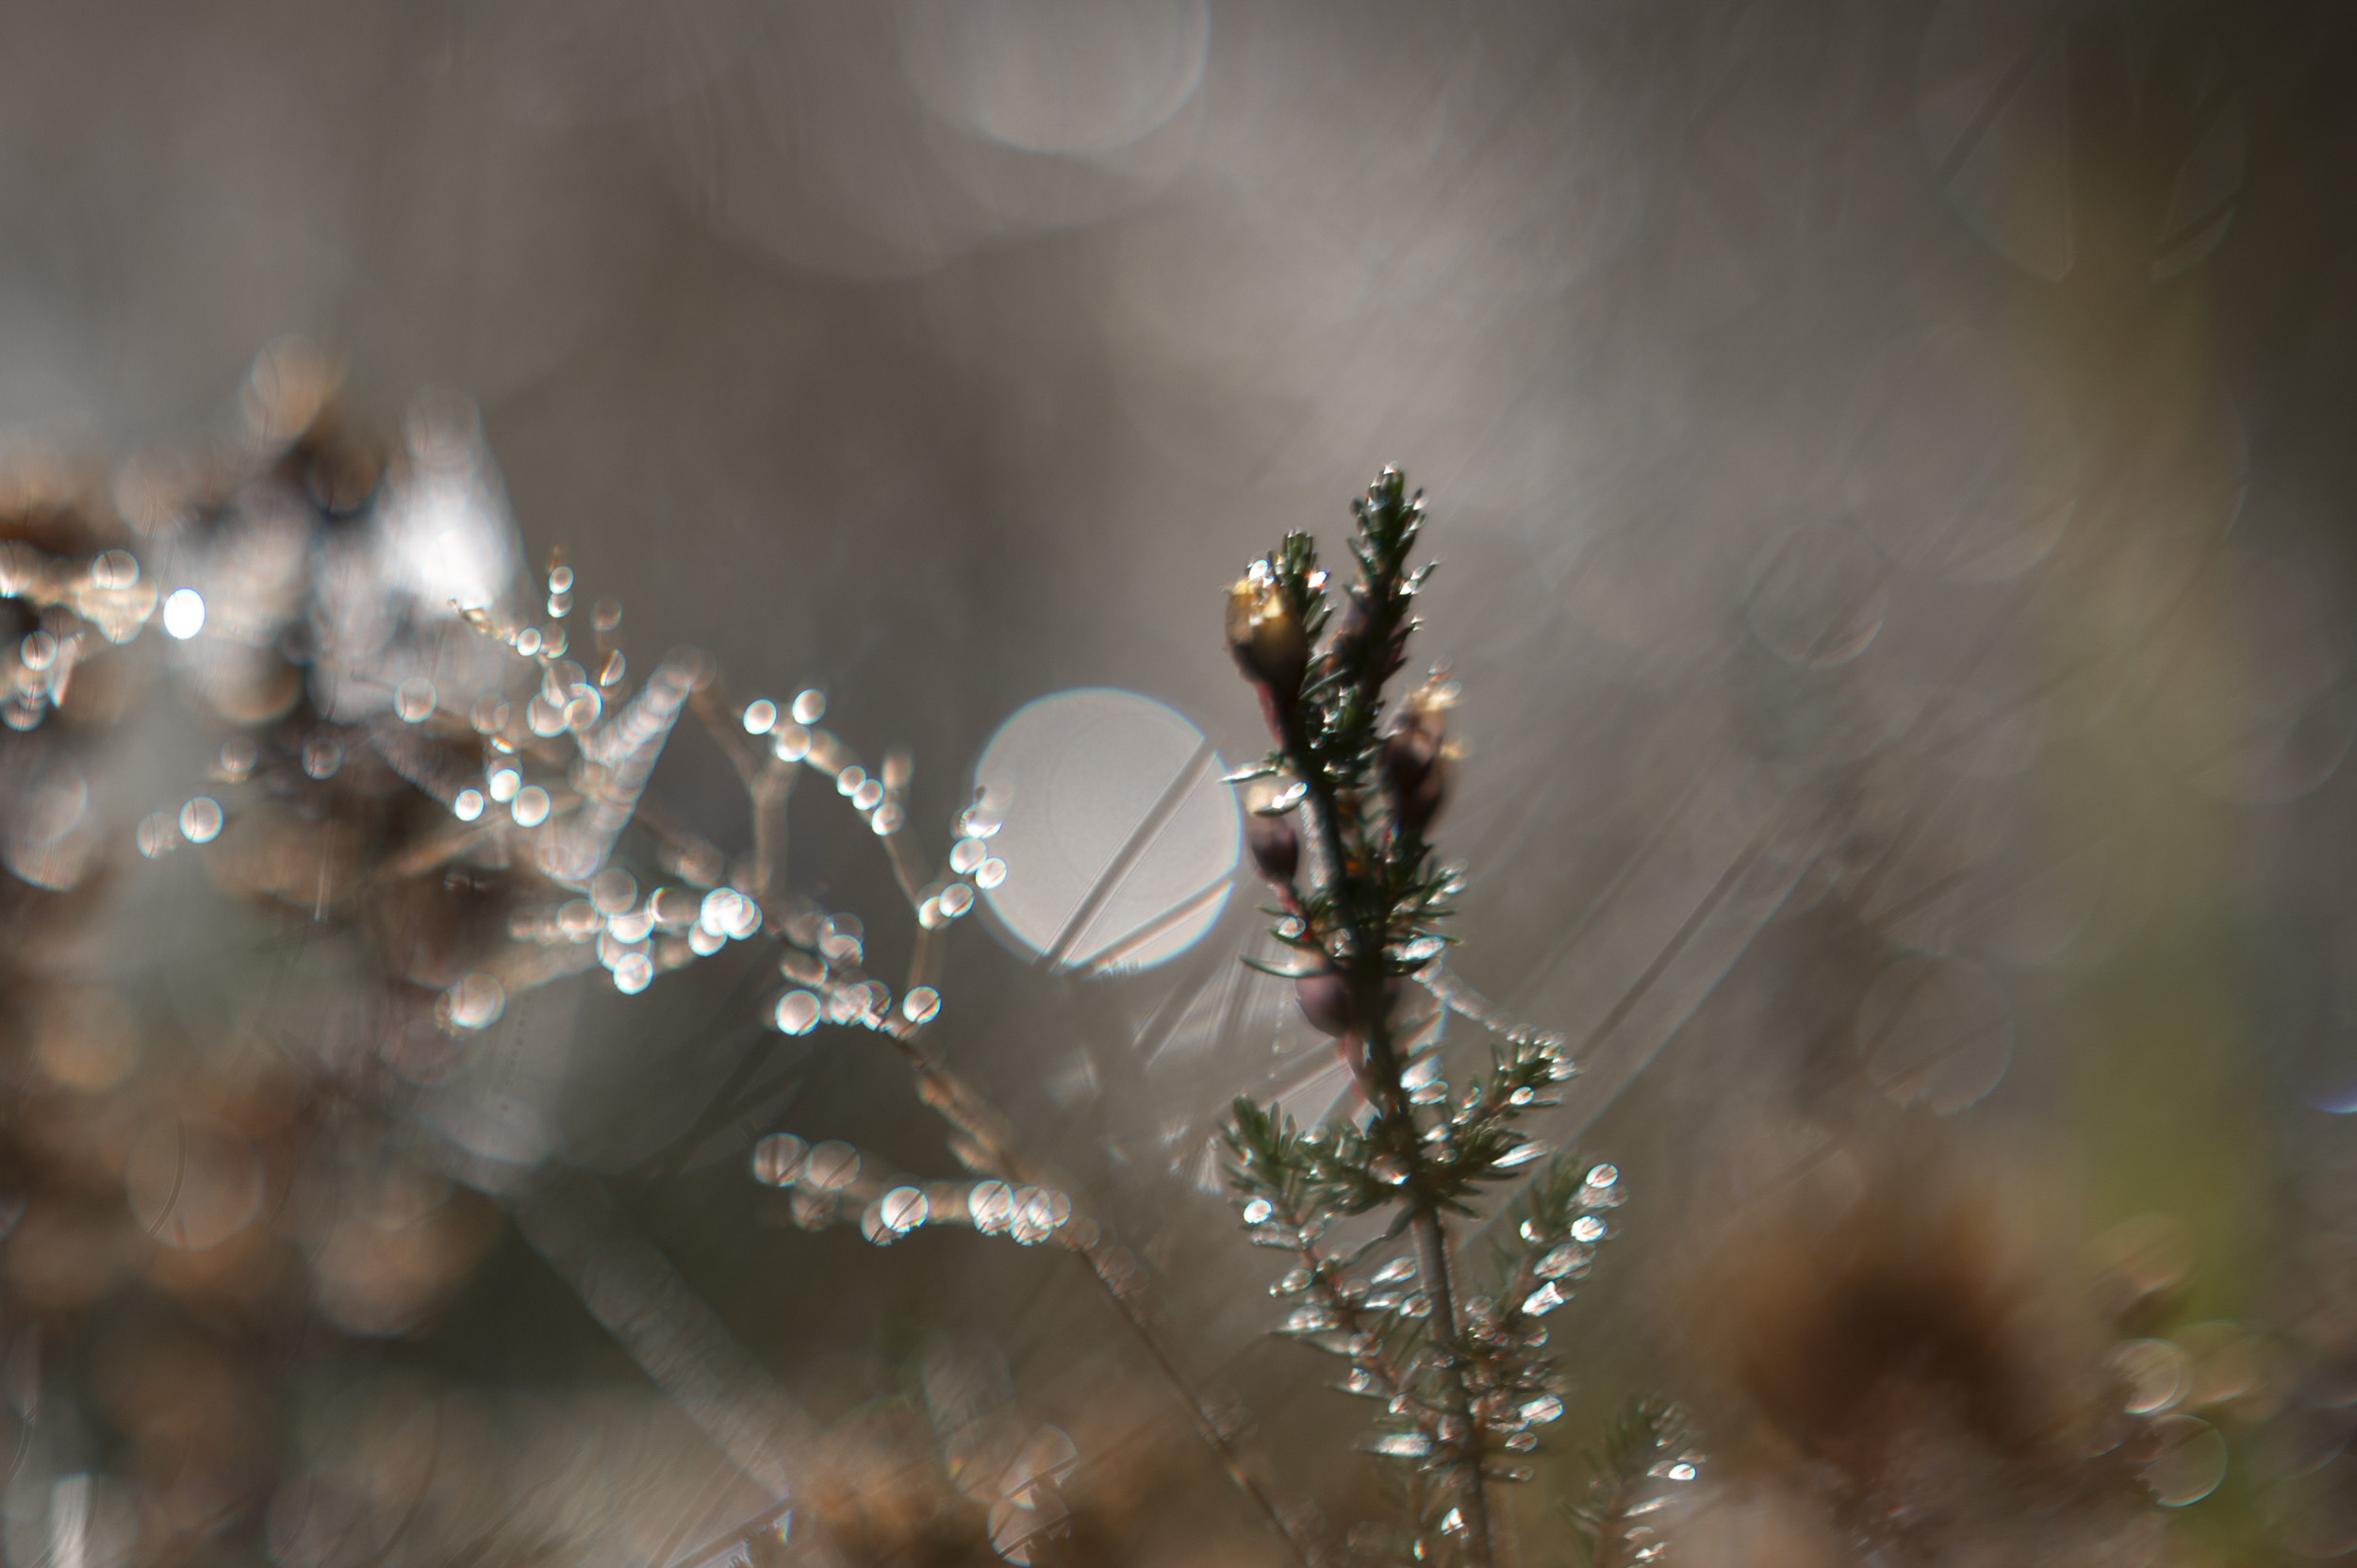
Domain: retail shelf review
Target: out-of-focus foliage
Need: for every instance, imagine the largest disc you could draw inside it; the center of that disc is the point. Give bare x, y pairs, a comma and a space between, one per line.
1896, 546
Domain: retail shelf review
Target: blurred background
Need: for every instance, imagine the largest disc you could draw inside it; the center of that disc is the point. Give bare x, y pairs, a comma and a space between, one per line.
1890, 472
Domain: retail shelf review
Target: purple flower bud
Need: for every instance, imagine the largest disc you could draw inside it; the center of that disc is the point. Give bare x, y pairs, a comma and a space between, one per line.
1276, 847
1325, 1000
1415, 764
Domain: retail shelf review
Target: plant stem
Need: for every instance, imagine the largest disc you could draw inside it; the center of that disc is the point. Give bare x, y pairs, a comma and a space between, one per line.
1371, 1003
1433, 1271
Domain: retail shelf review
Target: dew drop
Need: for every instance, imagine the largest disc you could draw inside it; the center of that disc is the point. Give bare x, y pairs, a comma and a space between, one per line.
966, 853
1587, 1227
238, 756
1395, 1271
991, 1204
200, 819
868, 795
903, 1208
414, 699
156, 835
810, 706
545, 719
832, 1165
840, 938
1257, 1211
612, 890
1405, 1446
1603, 1176
722, 911
322, 754
921, 1005
889, 818
1544, 1301
1520, 1154
2154, 1374
532, 806
990, 874
577, 919
797, 1013
474, 1002
791, 743
560, 579
615, 669
778, 1159
633, 974
2187, 1461
980, 822
849, 779
528, 642
504, 782
468, 805
114, 568
184, 613
703, 941
761, 717
956, 899
1571, 1260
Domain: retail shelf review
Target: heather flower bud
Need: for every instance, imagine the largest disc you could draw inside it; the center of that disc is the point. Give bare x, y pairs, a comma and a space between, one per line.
1325, 1000
1276, 847
1268, 638
1416, 758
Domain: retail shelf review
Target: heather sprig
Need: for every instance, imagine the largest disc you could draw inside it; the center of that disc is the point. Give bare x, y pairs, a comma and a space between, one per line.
1341, 829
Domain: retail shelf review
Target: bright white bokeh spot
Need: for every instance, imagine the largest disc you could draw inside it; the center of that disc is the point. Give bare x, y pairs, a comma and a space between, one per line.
184, 613
1120, 841
445, 528
200, 819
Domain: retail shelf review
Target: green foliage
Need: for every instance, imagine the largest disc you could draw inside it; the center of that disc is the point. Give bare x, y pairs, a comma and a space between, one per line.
1645, 1446
1463, 1384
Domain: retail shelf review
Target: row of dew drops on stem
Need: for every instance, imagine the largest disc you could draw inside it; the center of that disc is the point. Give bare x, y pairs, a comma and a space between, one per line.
108, 593
1384, 1292
634, 937
827, 1177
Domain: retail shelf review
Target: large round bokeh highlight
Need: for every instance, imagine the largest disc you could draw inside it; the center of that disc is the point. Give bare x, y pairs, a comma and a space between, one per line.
1120, 839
